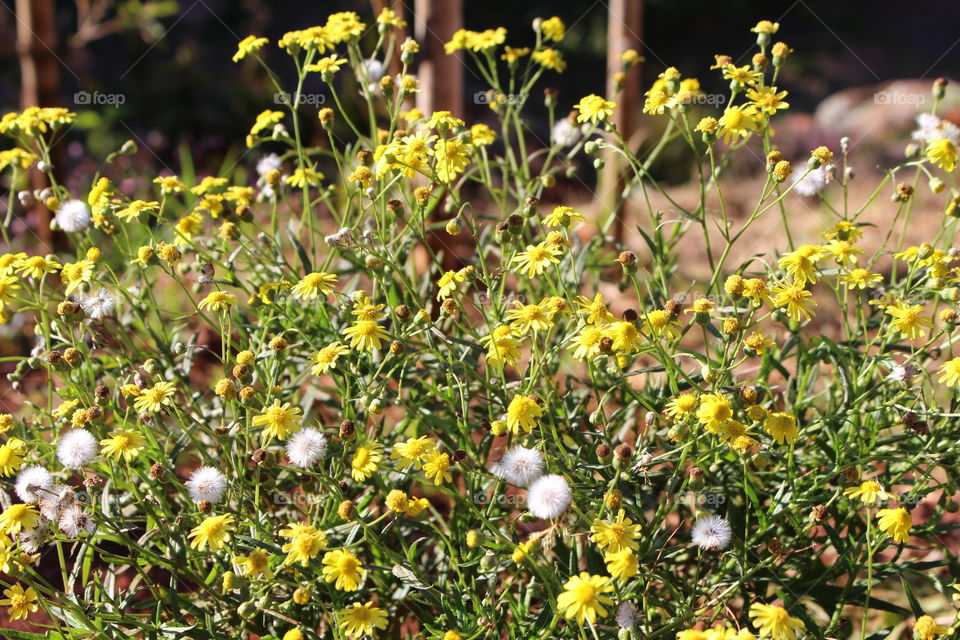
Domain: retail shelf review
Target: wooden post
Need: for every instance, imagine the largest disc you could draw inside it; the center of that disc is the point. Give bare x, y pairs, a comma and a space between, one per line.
624, 26
441, 76
39, 76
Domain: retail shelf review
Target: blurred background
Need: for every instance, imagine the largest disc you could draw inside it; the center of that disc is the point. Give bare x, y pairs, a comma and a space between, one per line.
163, 73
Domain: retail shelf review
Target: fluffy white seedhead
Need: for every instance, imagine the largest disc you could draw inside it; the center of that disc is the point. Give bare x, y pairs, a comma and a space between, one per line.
74, 519
268, 163
566, 133
519, 466
55, 499
549, 496
711, 533
32, 482
626, 615
207, 483
32, 540
99, 305
73, 216
305, 447
812, 183
76, 448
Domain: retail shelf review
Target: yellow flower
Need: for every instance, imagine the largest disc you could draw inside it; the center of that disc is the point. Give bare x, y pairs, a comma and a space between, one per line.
21, 602
168, 184
681, 406
123, 444
343, 569
8, 284
549, 59
553, 28
714, 411
537, 258
365, 462
18, 517
327, 357
523, 413
451, 157
255, 564
943, 153
860, 278
303, 177
265, 119
73, 274
448, 283
153, 399
436, 466
586, 344
950, 372
526, 317
793, 298
584, 597
520, 552
278, 420
593, 108
562, 216
782, 426
443, 120
411, 451
758, 343
360, 619
801, 264
737, 122
314, 284
330, 65
869, 492
622, 564
36, 266
133, 210
656, 102
767, 100
615, 536
481, 135
10, 460
925, 628
213, 532
389, 17
907, 320
306, 541
248, 45
625, 335
502, 346
218, 301
365, 335
774, 622
595, 309
895, 523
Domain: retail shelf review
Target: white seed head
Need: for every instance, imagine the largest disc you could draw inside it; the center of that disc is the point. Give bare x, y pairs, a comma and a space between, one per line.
76, 448
207, 483
519, 466
32, 482
711, 533
549, 496
73, 216
305, 447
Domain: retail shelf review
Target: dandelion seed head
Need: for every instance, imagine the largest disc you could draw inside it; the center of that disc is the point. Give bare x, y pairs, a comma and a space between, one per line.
711, 533
73, 216
207, 483
305, 447
32, 482
549, 496
76, 448
519, 466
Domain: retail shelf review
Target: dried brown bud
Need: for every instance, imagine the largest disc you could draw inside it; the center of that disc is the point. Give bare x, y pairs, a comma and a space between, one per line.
346, 429
205, 506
